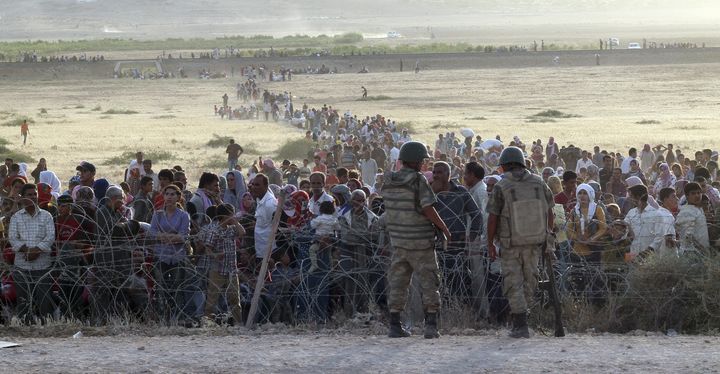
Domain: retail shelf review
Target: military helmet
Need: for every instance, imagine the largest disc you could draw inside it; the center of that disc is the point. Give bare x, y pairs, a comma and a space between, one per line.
413, 152
511, 155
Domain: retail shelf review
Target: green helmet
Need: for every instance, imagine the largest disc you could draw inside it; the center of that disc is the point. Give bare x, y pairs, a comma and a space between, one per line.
413, 152
511, 155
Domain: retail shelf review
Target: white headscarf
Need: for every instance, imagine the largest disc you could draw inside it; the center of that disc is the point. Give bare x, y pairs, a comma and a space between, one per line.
48, 177
592, 206
636, 181
23, 169
234, 198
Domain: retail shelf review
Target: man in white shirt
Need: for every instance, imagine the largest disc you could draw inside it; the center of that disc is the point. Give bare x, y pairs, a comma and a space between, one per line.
669, 201
317, 186
31, 235
647, 226
584, 162
266, 205
394, 154
691, 223
625, 166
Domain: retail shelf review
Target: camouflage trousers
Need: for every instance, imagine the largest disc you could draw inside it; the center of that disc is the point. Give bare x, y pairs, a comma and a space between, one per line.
421, 263
520, 275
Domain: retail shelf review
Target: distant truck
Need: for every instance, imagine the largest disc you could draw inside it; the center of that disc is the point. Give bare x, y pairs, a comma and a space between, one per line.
634, 46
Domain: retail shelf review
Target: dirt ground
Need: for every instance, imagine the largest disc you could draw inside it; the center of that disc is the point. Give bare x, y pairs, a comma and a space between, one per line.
340, 353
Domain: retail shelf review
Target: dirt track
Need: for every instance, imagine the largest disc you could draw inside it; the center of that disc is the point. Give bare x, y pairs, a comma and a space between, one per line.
378, 63
330, 353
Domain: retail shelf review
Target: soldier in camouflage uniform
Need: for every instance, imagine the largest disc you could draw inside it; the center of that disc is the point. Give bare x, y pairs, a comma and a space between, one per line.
520, 214
411, 221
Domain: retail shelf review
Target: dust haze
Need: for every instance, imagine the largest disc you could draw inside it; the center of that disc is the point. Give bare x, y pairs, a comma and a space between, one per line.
478, 21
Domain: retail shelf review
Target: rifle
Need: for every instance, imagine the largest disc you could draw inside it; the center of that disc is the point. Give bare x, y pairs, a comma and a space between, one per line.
547, 260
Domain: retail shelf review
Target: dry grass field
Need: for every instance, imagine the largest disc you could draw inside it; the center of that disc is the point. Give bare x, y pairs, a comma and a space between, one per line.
681, 101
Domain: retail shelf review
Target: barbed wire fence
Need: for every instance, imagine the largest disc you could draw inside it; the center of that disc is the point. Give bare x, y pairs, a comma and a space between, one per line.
123, 279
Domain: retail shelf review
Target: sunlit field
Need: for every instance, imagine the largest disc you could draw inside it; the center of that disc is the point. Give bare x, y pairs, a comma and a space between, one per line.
615, 107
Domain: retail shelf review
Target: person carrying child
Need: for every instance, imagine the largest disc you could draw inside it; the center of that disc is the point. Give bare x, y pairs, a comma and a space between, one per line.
325, 225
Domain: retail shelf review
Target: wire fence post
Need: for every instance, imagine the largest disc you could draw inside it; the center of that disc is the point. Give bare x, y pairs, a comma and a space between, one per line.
260, 283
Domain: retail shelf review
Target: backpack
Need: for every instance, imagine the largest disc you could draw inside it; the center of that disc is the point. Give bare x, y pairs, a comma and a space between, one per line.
524, 216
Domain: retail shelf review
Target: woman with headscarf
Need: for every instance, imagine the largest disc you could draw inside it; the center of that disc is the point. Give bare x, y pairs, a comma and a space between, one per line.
665, 179
236, 188
296, 209
51, 179
23, 170
593, 174
647, 158
586, 226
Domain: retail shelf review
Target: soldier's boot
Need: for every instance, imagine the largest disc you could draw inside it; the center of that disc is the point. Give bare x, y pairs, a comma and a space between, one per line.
520, 326
396, 328
431, 330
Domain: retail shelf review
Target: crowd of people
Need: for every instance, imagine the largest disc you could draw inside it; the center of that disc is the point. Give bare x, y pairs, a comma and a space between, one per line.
34, 57
153, 247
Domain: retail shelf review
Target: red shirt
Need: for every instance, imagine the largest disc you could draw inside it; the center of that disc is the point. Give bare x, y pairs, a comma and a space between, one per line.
568, 202
330, 181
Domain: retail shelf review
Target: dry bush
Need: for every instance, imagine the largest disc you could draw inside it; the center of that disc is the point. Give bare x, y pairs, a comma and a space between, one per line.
296, 149
120, 111
16, 121
552, 113
664, 293
218, 141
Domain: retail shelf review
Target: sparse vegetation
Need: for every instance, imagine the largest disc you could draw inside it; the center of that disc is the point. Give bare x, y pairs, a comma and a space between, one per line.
691, 127
552, 113
215, 163
43, 111
375, 98
648, 122
15, 155
105, 117
125, 157
409, 125
164, 116
17, 121
119, 111
479, 118
79, 106
44, 47
219, 141
540, 120
295, 149
97, 108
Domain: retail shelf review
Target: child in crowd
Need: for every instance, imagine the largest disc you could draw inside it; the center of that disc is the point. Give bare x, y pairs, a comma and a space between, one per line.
325, 226
220, 245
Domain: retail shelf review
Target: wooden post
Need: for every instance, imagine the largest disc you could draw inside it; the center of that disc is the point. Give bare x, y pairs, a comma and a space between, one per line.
260, 283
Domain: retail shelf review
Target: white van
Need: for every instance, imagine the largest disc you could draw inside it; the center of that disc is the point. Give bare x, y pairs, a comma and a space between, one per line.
634, 46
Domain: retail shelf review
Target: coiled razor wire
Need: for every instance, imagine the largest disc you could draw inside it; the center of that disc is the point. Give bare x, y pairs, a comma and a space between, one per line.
129, 282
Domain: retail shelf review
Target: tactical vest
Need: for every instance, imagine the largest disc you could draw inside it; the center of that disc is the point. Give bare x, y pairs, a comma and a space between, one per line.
524, 216
407, 227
